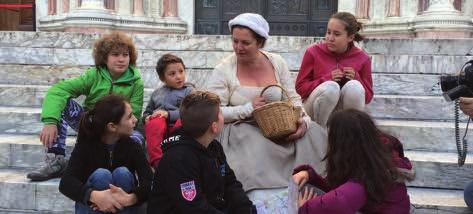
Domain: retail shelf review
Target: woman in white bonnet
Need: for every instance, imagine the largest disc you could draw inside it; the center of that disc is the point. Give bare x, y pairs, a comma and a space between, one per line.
238, 79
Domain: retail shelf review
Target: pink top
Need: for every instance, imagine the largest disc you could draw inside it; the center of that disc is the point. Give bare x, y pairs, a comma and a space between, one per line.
319, 62
351, 196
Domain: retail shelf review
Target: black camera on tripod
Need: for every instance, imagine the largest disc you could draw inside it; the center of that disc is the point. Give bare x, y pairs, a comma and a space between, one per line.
459, 85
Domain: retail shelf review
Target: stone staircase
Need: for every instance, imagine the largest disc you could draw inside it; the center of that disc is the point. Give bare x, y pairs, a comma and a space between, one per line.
407, 104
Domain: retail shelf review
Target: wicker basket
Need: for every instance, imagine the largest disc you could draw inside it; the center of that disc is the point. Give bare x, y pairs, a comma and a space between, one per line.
277, 119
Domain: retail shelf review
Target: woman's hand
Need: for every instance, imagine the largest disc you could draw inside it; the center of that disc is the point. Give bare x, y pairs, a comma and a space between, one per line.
104, 201
305, 195
123, 197
301, 178
349, 73
258, 102
301, 129
466, 105
48, 135
337, 75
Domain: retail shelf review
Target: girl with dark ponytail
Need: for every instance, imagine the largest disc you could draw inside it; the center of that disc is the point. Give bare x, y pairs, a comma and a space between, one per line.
335, 73
101, 172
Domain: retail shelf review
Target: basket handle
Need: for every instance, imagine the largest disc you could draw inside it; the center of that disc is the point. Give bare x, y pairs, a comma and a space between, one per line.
284, 91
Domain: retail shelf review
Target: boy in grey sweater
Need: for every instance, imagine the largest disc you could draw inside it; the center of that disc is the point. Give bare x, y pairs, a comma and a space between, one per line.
162, 112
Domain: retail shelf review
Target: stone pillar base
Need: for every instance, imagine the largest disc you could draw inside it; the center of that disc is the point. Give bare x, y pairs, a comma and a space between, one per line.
443, 25
91, 20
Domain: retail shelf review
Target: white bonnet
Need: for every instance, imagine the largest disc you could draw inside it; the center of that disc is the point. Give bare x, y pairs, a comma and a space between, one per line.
253, 21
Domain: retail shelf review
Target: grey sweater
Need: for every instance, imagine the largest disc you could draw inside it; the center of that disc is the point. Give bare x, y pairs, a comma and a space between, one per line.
167, 99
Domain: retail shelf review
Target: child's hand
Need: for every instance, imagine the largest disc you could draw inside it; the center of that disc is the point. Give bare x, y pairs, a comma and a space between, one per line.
48, 135
349, 73
337, 75
160, 113
301, 178
305, 195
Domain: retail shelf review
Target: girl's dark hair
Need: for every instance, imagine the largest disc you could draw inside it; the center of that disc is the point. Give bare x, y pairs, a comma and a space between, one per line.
93, 124
261, 40
164, 61
111, 42
356, 152
352, 26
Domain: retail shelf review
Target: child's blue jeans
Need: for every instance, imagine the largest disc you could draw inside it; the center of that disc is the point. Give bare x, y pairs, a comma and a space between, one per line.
101, 178
71, 117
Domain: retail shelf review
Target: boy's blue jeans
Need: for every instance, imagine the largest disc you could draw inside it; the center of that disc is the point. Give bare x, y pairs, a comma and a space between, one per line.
101, 178
71, 117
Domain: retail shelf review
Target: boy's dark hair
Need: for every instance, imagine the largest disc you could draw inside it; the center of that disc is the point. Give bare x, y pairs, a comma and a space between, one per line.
198, 111
112, 42
93, 123
356, 152
164, 61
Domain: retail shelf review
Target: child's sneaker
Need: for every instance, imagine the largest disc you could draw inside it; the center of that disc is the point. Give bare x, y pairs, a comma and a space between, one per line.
53, 167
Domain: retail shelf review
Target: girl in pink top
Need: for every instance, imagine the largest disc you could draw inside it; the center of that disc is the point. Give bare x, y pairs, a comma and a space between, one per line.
335, 72
366, 170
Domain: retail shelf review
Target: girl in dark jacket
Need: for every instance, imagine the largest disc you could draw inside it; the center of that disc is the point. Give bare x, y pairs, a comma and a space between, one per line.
366, 170
102, 168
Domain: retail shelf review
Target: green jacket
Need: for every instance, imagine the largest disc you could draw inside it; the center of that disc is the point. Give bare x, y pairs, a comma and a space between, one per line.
94, 84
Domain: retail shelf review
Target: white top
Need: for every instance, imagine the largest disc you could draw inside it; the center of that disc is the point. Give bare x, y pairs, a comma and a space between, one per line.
236, 99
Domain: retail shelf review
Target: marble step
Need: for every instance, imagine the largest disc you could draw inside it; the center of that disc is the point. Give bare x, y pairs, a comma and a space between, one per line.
440, 170
434, 169
437, 201
433, 136
206, 51
396, 107
415, 135
67, 40
384, 83
32, 95
20, 194
197, 59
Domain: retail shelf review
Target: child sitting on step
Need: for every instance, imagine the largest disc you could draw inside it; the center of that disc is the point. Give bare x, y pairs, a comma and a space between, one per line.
162, 112
114, 72
193, 175
101, 172
366, 170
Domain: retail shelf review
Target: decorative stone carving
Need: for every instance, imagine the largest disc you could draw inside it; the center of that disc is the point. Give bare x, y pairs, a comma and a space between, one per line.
170, 8
393, 8
362, 9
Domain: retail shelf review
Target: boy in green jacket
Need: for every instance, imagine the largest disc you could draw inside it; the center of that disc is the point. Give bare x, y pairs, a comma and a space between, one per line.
114, 72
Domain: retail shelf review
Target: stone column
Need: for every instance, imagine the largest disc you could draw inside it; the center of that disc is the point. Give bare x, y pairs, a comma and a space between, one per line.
52, 7
362, 9
170, 8
393, 8
110, 4
65, 6
138, 8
